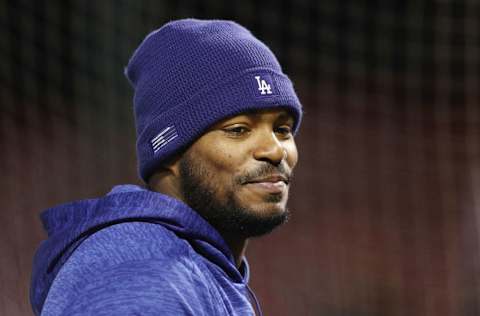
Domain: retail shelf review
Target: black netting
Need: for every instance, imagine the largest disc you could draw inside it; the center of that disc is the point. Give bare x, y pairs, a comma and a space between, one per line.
389, 179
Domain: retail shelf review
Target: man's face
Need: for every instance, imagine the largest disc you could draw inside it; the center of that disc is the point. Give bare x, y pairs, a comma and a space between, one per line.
237, 174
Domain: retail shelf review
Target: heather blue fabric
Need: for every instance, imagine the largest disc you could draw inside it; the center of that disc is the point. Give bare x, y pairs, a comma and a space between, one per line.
190, 74
135, 252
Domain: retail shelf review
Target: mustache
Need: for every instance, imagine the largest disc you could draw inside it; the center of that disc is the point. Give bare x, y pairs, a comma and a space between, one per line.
265, 170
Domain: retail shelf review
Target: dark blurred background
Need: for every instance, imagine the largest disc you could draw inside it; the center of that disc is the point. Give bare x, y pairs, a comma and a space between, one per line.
386, 202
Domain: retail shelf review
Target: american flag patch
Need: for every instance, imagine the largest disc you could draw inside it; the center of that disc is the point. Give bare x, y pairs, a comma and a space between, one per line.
163, 138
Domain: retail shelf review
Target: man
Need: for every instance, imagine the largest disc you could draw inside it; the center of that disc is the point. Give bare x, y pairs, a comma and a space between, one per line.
215, 119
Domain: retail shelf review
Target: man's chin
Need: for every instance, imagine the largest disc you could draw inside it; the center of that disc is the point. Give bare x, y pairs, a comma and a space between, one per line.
258, 222
267, 210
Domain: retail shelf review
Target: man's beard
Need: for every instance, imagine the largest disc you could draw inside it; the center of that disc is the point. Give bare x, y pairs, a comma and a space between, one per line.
228, 216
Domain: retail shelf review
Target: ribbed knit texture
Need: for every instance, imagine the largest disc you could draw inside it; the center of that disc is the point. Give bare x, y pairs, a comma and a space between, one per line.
189, 74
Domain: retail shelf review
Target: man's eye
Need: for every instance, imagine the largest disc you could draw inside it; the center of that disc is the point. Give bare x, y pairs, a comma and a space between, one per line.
284, 130
237, 130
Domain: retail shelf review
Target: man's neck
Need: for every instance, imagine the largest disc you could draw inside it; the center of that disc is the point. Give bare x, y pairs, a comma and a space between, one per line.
238, 247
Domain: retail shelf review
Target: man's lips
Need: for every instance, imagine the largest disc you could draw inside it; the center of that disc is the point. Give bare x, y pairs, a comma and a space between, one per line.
270, 179
274, 184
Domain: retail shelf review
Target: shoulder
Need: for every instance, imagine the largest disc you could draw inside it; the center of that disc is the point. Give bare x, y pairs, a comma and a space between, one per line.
122, 244
131, 241
142, 288
134, 265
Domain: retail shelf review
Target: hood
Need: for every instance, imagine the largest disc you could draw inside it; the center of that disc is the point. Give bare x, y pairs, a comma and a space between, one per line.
69, 224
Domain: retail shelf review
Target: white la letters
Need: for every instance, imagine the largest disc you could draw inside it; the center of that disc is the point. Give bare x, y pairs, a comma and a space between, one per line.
263, 86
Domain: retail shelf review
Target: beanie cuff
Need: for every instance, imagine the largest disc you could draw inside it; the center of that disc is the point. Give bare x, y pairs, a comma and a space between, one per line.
254, 89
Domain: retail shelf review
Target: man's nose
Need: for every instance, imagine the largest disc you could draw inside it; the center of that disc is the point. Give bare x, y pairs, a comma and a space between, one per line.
269, 148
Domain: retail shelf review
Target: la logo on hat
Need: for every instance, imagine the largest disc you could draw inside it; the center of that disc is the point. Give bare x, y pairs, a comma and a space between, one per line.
263, 86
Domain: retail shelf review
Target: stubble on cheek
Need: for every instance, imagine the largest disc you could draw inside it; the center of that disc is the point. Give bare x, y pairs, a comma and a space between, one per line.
224, 207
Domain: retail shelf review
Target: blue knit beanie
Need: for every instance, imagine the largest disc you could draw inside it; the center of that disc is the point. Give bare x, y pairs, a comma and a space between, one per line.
190, 74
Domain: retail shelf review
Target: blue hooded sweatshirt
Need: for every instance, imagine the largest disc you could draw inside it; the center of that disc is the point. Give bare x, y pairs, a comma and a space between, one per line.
135, 252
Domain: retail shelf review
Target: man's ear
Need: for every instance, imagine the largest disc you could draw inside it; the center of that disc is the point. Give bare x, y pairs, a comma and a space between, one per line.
169, 168
172, 166
166, 178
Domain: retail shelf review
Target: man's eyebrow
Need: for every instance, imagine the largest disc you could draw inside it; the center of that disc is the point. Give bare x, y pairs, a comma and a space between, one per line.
285, 116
